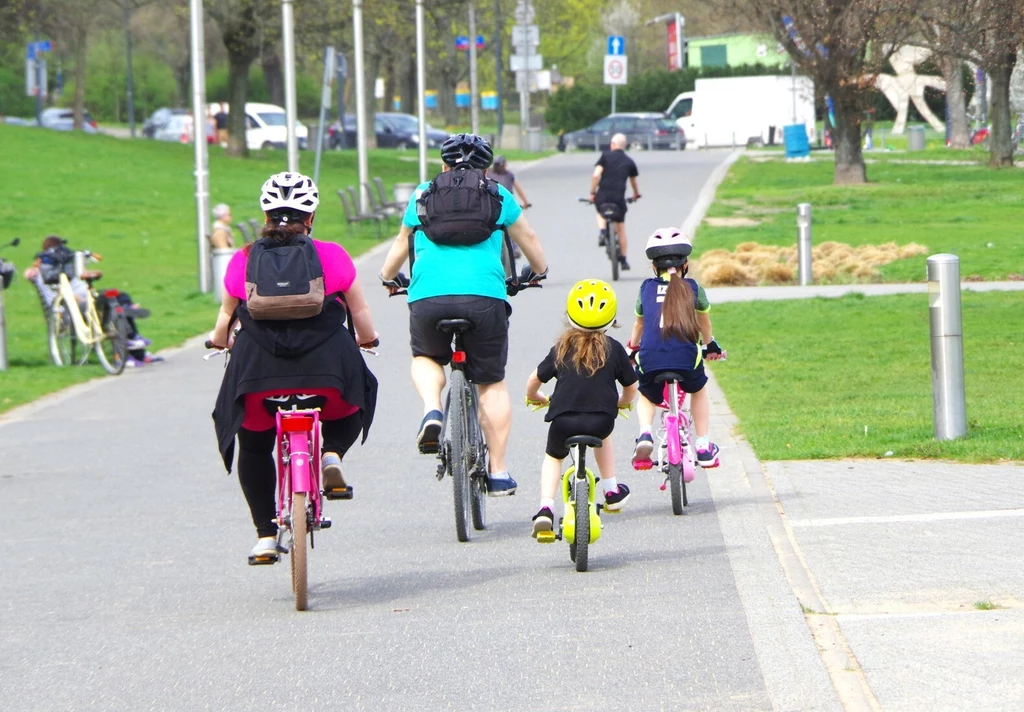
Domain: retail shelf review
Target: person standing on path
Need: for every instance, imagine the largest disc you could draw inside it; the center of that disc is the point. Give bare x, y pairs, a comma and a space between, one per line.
220, 120
462, 281
501, 175
608, 185
221, 237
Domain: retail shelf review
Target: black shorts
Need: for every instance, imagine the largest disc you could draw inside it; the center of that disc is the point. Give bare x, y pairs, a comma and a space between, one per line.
486, 343
619, 201
563, 427
693, 381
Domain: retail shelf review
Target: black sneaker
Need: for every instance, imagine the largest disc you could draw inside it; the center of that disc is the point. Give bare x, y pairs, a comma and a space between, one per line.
601, 242
544, 525
613, 501
622, 262
430, 432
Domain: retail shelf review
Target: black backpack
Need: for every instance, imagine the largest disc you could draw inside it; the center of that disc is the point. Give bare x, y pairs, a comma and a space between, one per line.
284, 281
460, 207
54, 261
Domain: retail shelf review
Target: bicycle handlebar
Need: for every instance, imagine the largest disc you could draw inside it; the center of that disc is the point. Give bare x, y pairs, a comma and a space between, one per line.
590, 201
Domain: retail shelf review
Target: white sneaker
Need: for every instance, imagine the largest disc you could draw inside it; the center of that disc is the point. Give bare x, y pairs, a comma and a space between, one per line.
265, 551
333, 484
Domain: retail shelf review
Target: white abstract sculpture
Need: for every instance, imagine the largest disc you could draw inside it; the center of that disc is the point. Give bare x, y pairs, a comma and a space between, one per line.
907, 85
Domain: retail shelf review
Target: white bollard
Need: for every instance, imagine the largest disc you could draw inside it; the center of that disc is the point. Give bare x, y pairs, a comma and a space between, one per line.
803, 243
220, 257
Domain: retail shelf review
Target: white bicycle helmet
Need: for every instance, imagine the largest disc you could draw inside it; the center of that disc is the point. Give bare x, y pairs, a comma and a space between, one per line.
289, 191
668, 242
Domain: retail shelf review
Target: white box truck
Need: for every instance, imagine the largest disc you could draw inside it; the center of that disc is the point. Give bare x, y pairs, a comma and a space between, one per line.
738, 110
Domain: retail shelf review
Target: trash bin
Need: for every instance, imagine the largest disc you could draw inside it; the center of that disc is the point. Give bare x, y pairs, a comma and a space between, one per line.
534, 140
219, 258
915, 138
403, 192
795, 138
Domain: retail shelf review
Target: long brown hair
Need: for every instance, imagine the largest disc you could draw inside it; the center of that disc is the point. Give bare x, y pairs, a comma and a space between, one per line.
678, 317
281, 231
586, 351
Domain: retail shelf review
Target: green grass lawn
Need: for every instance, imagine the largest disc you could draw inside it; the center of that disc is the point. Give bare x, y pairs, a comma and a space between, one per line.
969, 210
851, 377
133, 202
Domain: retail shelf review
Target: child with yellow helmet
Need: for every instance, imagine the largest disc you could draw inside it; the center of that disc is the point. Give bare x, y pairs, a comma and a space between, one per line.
587, 364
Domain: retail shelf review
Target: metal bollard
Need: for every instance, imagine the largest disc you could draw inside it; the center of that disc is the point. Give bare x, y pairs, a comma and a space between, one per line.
947, 347
803, 243
79, 263
219, 259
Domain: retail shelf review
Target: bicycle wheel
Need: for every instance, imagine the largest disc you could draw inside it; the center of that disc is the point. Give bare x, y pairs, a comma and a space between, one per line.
677, 487
478, 480
112, 349
581, 500
298, 553
612, 244
458, 464
61, 333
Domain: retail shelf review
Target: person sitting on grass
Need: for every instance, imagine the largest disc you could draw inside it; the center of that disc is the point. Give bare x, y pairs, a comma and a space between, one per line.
45, 272
587, 363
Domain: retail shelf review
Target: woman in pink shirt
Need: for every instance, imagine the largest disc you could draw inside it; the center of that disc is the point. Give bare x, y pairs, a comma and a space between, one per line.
288, 359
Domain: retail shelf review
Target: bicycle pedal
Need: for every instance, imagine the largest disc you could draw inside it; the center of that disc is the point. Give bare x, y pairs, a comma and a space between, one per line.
643, 464
546, 537
339, 493
428, 448
263, 560
325, 523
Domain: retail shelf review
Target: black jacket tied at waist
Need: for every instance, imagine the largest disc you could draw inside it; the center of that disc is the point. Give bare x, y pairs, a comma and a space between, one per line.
319, 352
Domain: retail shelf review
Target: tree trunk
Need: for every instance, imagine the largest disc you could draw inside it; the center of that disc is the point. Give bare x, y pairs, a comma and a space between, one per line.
409, 89
959, 132
390, 84
238, 95
850, 167
81, 36
372, 70
272, 74
182, 82
1000, 144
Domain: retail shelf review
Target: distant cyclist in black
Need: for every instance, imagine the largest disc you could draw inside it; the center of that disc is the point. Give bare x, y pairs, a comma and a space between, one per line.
608, 185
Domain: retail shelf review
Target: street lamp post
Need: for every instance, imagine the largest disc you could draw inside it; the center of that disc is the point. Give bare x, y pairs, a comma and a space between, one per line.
288, 32
129, 79
421, 89
357, 30
473, 107
199, 142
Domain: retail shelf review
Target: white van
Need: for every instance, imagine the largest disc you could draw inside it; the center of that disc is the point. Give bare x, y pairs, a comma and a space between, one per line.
266, 127
734, 111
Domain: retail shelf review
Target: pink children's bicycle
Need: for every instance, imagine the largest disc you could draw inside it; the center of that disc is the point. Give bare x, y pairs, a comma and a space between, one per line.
675, 451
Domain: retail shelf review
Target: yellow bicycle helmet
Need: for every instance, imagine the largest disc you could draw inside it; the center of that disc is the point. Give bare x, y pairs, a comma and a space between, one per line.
591, 305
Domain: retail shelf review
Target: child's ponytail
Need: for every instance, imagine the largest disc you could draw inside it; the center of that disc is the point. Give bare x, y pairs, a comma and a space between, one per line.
678, 317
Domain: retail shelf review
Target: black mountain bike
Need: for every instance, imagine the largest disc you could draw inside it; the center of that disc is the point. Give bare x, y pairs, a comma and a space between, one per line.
610, 240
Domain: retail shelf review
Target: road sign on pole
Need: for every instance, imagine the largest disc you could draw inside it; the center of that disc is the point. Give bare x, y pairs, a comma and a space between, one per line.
616, 45
521, 63
615, 69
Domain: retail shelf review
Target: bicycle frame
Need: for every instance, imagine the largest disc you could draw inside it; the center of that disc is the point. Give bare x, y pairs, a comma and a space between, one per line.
675, 447
298, 464
88, 326
476, 460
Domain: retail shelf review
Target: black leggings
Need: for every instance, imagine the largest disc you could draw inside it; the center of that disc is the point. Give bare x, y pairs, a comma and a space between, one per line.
257, 471
564, 426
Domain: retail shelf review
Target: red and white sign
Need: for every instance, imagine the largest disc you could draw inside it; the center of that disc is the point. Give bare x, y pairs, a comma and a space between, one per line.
675, 44
615, 69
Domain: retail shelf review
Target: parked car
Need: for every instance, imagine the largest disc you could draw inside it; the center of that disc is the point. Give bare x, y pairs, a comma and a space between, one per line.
64, 120
159, 118
267, 127
393, 130
178, 128
642, 130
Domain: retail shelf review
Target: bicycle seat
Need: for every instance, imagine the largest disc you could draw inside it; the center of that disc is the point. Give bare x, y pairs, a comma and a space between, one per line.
611, 211
666, 376
454, 325
588, 440
298, 401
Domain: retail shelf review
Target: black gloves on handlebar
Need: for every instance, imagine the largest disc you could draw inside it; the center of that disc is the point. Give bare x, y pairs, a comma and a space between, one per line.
524, 280
400, 281
529, 276
713, 348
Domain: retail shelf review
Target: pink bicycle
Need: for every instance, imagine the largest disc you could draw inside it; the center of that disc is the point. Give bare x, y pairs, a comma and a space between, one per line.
675, 452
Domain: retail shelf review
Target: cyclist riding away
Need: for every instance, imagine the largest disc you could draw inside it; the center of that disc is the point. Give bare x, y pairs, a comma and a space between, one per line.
587, 363
289, 294
455, 224
672, 323
608, 185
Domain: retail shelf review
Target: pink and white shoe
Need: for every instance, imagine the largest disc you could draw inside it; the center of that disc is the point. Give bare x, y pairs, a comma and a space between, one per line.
642, 452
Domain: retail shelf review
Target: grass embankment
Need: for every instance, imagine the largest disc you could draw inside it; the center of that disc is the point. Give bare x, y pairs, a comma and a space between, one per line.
851, 377
133, 202
969, 210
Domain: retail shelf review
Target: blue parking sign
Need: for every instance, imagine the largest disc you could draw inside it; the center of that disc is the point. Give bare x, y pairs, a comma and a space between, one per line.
616, 45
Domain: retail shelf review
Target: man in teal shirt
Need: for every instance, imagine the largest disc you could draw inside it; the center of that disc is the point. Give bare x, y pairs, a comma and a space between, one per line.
464, 282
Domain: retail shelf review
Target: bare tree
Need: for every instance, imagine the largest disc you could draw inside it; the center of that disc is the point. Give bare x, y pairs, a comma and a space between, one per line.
842, 45
988, 33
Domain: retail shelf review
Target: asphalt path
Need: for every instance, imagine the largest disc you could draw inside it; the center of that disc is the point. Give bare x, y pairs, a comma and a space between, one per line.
125, 584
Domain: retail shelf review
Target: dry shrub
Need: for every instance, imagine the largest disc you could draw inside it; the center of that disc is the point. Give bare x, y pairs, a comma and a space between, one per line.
752, 263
